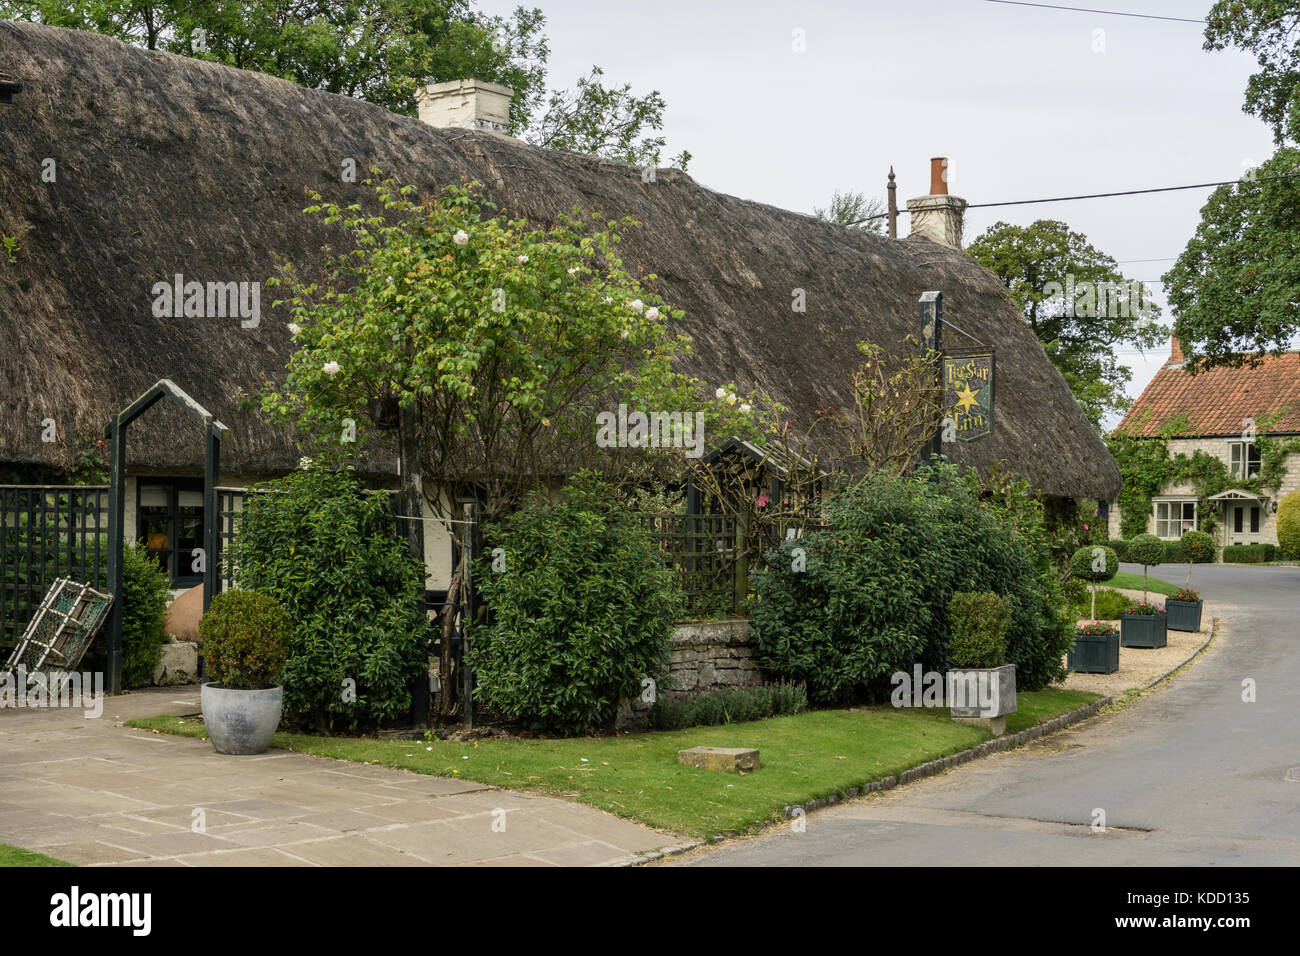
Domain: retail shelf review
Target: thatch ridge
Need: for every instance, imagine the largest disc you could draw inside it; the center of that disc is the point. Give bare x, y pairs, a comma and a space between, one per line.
173, 165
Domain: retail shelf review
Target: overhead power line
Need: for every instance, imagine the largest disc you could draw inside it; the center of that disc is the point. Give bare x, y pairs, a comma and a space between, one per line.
1107, 13
1127, 192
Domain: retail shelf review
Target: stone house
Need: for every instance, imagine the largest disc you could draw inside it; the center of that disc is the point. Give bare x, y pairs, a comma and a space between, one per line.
1225, 413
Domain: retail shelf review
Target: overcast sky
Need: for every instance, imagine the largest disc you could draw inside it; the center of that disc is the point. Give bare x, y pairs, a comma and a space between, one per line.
1028, 103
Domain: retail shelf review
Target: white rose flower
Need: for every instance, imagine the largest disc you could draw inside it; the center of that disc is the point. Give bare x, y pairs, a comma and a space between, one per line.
294, 328
652, 313
331, 368
731, 399
304, 463
636, 305
461, 237
720, 393
744, 407
573, 271
623, 334
523, 259
606, 301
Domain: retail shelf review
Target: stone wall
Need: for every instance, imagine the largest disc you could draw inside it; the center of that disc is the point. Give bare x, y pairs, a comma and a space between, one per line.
704, 655
708, 654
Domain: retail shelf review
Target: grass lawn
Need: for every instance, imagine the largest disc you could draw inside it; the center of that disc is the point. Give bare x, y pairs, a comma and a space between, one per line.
804, 757
1133, 582
13, 856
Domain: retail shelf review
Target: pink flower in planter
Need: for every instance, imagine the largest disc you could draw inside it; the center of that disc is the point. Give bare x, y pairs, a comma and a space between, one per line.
762, 501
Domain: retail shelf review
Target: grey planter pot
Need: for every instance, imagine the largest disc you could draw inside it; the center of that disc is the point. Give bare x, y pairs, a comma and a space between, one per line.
241, 721
1143, 630
1183, 615
981, 691
1094, 654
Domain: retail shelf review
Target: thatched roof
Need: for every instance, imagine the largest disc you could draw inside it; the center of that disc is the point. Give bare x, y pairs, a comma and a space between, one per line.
172, 165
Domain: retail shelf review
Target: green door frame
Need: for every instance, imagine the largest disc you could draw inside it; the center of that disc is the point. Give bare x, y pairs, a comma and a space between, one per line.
115, 431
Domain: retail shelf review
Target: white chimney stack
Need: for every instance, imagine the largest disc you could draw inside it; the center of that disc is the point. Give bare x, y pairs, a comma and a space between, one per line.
938, 216
466, 104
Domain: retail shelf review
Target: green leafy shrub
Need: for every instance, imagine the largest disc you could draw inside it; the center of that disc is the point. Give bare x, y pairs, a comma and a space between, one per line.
728, 705
1147, 550
1174, 552
978, 624
326, 550
1120, 547
145, 591
1094, 563
871, 595
1249, 553
580, 615
1288, 526
1110, 605
245, 640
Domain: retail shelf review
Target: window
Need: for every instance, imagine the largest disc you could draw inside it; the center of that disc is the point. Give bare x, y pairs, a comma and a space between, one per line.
170, 522
1175, 517
1243, 459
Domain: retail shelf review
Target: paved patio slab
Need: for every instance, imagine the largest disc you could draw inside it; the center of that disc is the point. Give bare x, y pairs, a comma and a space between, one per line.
95, 793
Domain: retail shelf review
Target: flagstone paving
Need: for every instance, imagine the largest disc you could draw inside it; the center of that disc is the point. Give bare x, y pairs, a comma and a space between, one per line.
95, 793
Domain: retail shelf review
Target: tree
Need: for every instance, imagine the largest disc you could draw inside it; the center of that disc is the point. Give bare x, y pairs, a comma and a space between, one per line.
1077, 302
1235, 290
854, 210
604, 121
383, 51
1270, 29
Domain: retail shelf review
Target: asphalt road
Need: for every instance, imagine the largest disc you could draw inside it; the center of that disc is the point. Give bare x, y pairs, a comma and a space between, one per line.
1189, 775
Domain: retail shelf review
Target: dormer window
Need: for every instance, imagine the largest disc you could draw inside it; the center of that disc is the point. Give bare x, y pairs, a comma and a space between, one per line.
1243, 459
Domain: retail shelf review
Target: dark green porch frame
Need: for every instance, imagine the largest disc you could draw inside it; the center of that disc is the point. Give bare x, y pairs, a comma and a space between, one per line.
115, 432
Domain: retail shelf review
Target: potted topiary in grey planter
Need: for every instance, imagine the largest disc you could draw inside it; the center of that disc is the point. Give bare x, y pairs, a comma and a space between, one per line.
980, 687
1184, 608
1096, 649
245, 640
1143, 625
1094, 563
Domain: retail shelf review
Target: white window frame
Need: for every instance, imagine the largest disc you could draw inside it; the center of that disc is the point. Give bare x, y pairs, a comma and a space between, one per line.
1173, 524
1239, 459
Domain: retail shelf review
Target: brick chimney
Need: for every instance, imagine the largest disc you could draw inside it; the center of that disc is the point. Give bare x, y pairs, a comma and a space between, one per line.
938, 216
466, 104
1175, 353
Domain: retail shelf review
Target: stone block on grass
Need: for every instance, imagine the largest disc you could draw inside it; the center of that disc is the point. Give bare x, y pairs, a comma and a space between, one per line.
725, 759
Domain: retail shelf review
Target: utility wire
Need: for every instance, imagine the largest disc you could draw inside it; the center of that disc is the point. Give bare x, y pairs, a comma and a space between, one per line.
1108, 13
1127, 192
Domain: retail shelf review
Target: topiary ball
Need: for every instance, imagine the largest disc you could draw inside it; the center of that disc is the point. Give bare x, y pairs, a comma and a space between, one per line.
1198, 547
1147, 550
1094, 563
245, 639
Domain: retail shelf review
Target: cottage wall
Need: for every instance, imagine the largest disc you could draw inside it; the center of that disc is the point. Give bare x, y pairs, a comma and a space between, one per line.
1218, 448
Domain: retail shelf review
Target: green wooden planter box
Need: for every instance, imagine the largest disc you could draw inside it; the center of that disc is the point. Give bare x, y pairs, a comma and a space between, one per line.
1142, 630
1094, 654
1183, 615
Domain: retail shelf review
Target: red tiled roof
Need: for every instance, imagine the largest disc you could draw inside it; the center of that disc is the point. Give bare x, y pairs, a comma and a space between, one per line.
1218, 400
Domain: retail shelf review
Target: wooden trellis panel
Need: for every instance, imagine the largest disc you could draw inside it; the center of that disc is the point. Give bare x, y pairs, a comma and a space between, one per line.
46, 533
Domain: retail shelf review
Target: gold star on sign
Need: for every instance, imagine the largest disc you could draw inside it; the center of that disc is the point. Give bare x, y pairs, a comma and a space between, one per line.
966, 399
